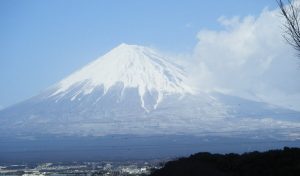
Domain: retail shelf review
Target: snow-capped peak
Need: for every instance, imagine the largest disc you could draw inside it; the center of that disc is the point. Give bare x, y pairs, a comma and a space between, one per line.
134, 66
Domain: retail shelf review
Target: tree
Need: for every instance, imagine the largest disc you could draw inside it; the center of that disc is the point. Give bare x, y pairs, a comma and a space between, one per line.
291, 14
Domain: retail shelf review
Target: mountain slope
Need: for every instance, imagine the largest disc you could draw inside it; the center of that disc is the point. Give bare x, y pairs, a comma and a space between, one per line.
131, 66
135, 90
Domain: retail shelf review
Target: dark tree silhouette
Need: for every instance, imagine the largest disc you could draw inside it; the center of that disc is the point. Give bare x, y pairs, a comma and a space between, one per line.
284, 162
291, 12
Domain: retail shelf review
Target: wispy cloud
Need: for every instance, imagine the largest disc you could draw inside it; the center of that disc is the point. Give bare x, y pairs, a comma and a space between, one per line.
188, 25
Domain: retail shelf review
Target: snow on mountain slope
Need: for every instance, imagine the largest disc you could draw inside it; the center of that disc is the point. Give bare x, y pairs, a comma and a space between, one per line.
135, 90
133, 66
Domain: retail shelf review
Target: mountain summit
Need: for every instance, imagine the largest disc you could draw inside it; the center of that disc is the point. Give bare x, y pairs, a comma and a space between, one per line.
136, 90
131, 66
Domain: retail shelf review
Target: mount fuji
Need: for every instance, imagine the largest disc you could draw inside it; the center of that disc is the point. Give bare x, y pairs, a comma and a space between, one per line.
135, 90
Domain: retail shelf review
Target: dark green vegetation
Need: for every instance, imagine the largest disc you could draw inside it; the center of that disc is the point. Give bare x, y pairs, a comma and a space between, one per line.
284, 162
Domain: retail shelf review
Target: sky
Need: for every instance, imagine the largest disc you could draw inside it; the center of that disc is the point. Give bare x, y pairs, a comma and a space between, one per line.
41, 41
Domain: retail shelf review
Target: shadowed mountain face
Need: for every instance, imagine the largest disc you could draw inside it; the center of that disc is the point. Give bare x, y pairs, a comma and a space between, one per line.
134, 90
276, 162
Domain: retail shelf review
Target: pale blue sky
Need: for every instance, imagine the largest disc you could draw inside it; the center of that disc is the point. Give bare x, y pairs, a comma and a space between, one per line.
42, 41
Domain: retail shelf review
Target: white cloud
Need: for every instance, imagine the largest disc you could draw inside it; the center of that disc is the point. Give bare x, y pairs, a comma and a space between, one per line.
249, 58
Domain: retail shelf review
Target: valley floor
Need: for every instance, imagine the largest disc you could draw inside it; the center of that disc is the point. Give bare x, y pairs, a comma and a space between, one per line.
105, 168
284, 162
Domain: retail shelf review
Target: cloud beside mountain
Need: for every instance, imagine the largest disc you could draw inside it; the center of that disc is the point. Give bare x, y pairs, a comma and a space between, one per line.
249, 58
